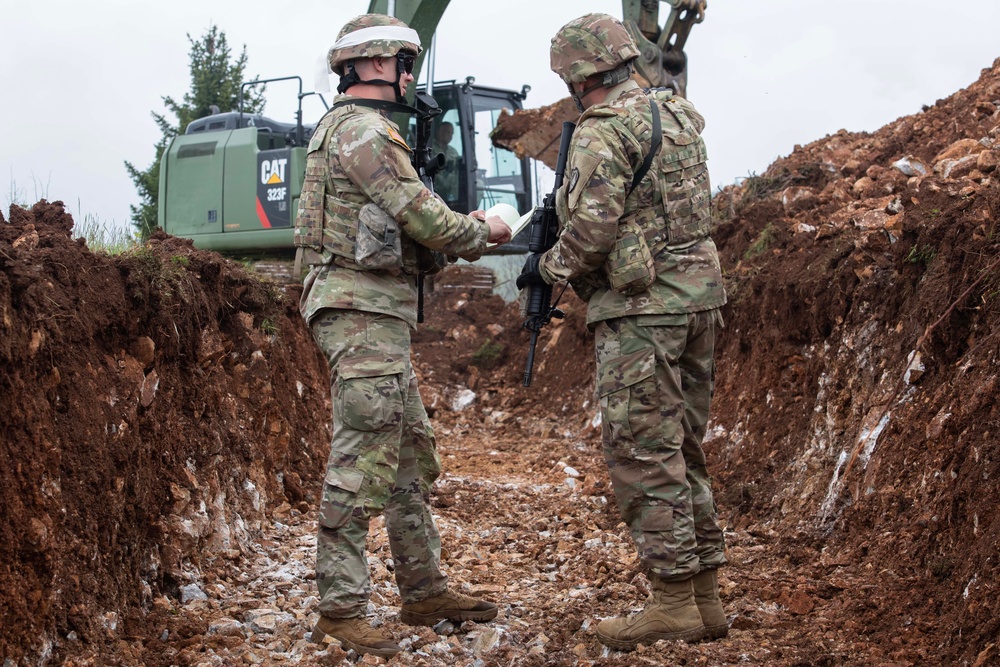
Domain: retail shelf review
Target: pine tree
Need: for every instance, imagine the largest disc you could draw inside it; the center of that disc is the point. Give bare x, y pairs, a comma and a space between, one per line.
215, 81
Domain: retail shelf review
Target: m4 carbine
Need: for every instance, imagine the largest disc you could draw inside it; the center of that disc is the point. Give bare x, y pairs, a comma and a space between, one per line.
426, 165
543, 230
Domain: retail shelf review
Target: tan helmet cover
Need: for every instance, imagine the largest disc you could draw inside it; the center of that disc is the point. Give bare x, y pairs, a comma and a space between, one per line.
590, 44
371, 36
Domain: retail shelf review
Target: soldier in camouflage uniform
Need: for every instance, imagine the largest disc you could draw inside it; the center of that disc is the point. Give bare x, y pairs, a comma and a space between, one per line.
634, 244
364, 226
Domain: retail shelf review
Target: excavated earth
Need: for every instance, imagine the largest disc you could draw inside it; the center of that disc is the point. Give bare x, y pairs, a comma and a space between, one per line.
165, 420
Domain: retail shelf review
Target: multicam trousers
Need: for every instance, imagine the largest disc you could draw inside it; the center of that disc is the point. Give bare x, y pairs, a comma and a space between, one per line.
654, 380
382, 459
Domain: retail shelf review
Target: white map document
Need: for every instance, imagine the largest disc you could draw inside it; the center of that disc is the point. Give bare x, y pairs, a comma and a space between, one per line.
509, 214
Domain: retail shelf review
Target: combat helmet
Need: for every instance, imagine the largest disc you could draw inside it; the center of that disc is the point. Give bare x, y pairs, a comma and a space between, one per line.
592, 44
372, 36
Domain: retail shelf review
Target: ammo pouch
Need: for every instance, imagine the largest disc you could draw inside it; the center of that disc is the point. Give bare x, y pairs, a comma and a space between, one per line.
629, 265
378, 245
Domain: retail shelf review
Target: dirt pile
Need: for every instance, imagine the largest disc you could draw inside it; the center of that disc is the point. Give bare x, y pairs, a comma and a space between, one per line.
471, 351
153, 416
857, 409
535, 132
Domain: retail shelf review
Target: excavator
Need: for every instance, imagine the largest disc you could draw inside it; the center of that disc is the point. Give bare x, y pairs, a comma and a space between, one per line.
231, 182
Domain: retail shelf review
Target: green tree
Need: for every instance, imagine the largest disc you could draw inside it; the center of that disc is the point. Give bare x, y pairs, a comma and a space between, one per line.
215, 82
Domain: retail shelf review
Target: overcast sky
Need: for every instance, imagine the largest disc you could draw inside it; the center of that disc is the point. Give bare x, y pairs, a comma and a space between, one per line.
79, 79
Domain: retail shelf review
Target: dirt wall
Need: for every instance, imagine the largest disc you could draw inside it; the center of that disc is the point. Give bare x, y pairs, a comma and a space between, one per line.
154, 408
857, 410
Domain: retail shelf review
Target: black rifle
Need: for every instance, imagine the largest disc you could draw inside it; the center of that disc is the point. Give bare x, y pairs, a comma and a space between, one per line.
426, 164
424, 160
542, 233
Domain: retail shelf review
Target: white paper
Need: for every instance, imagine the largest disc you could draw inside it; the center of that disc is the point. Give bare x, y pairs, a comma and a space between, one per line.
509, 215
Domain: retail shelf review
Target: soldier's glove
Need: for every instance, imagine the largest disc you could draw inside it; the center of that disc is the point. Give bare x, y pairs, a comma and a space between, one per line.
530, 274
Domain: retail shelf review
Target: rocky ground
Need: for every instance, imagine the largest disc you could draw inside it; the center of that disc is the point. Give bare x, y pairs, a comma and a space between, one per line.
165, 420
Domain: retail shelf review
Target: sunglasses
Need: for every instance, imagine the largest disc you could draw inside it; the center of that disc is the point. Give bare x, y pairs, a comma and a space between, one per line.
406, 61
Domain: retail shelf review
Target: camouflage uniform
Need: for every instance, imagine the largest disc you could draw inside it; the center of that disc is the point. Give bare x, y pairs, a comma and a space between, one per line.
382, 456
654, 344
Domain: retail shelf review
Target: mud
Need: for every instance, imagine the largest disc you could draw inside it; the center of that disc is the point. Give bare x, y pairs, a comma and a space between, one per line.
165, 420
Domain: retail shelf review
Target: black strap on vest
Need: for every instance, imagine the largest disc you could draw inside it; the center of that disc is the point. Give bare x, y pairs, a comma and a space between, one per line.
653, 149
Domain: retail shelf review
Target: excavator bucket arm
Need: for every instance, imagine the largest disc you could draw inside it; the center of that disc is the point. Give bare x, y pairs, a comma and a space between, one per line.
534, 133
663, 62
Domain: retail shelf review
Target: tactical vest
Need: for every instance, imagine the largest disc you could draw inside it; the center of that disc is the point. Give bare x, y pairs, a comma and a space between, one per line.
679, 213
351, 234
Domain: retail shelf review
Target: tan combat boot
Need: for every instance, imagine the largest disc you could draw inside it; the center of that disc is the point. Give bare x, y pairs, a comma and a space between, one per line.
355, 633
450, 605
670, 613
706, 596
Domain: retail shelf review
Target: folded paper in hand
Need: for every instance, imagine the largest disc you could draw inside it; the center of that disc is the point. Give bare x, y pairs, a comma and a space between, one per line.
509, 215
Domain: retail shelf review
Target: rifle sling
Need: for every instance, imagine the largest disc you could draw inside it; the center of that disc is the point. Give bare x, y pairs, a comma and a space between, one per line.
653, 149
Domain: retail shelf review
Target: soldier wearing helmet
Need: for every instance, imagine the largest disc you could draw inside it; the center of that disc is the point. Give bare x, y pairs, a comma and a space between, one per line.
374, 37
634, 216
366, 225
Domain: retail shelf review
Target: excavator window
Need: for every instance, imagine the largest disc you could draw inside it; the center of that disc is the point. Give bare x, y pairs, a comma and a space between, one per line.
500, 176
477, 175
448, 142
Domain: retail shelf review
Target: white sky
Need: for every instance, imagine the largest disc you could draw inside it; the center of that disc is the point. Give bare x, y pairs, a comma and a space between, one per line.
79, 79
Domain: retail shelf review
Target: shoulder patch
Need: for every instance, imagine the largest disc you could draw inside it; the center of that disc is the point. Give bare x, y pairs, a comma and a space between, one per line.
574, 178
398, 138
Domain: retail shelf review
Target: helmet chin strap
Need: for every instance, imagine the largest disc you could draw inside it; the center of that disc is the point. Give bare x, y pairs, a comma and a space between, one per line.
577, 97
609, 80
352, 78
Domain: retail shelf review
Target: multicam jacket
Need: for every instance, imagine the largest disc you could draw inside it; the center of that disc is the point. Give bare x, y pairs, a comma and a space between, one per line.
355, 157
671, 205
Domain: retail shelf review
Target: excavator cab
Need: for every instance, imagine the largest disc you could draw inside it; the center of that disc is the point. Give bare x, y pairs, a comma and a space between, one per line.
475, 174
